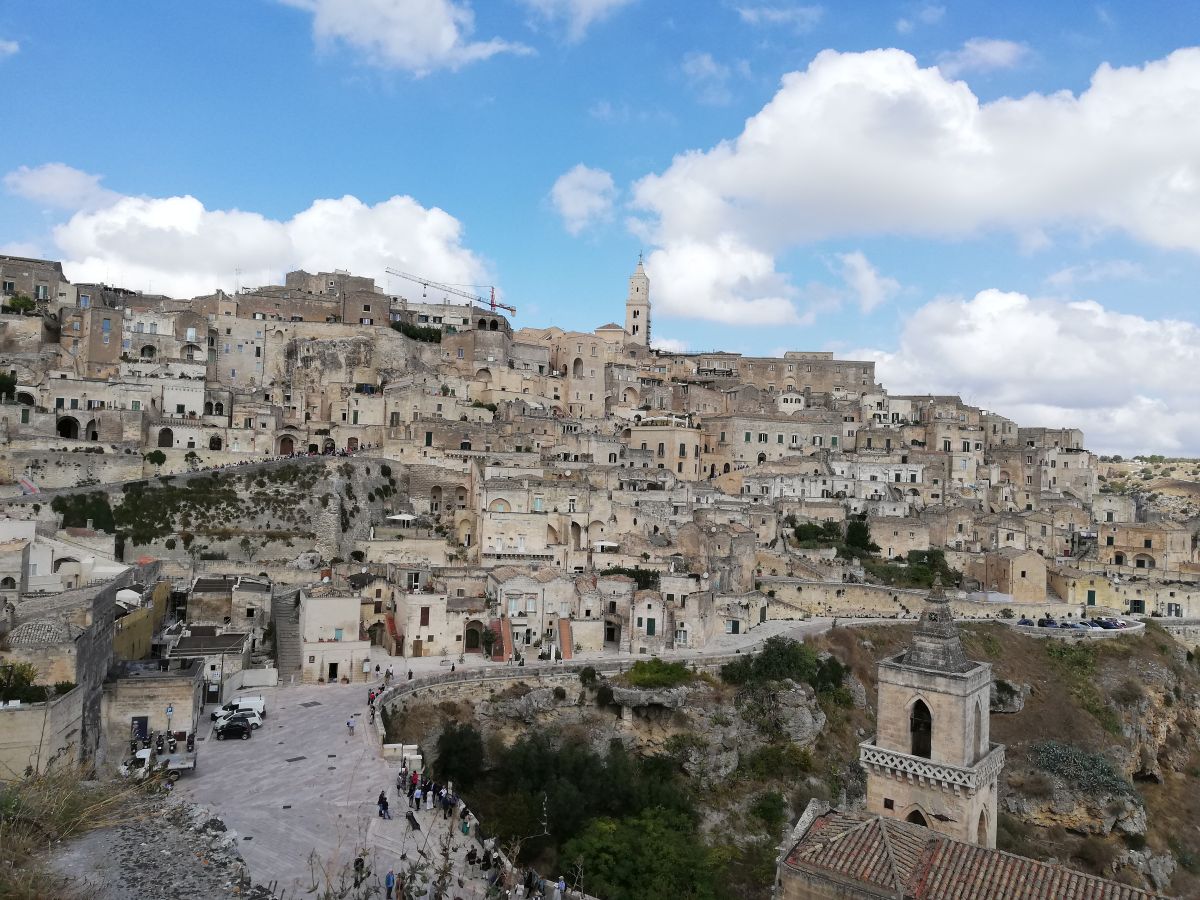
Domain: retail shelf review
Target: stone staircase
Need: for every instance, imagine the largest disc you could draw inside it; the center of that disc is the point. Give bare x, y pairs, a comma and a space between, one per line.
286, 617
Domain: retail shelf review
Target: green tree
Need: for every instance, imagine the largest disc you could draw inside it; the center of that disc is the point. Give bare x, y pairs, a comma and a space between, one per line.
858, 536
155, 457
651, 855
19, 303
460, 755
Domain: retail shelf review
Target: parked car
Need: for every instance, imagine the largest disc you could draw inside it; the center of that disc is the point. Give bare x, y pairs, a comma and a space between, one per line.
1024, 621
249, 715
236, 727
258, 704
1047, 623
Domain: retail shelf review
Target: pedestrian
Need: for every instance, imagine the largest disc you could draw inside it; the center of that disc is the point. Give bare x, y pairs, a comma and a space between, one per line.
445, 807
388, 675
416, 799
451, 668
560, 889
371, 698
372, 716
350, 726
428, 800
410, 674
377, 670
386, 808
389, 883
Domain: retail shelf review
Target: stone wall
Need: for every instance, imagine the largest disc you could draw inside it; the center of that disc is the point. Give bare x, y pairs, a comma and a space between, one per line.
35, 736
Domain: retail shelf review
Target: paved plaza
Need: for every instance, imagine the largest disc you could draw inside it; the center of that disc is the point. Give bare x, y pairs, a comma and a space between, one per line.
303, 784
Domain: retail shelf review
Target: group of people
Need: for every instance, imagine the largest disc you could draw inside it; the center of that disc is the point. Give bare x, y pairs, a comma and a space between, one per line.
425, 793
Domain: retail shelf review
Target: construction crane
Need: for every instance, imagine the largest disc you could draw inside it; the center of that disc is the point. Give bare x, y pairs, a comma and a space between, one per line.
426, 283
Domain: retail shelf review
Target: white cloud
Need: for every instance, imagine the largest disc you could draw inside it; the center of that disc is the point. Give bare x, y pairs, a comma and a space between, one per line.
869, 288
800, 18
417, 36
578, 15
709, 78
669, 345
868, 144
929, 14
21, 248
1044, 362
983, 55
9, 48
1094, 271
583, 197
722, 281
60, 186
183, 249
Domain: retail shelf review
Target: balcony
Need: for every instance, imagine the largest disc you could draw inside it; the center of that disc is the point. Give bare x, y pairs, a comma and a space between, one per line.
927, 772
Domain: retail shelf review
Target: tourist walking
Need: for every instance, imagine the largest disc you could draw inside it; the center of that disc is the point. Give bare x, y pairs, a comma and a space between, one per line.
389, 883
416, 799
350, 726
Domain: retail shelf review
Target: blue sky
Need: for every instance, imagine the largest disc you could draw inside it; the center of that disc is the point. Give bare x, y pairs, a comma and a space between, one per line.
878, 205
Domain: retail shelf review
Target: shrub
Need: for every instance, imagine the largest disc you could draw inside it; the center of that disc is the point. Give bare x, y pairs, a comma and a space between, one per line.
604, 695
1089, 772
647, 579
1128, 693
769, 809
560, 693
587, 676
655, 673
423, 333
155, 457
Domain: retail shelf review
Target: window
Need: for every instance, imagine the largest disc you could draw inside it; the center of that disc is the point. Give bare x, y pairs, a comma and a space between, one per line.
1148, 543
747, 437
250, 612
424, 616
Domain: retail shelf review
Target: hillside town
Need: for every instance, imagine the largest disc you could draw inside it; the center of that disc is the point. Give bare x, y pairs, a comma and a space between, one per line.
319, 483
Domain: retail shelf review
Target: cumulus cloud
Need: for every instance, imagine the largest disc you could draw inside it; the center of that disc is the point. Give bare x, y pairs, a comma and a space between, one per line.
669, 345
583, 197
723, 281
417, 36
983, 55
577, 15
866, 144
60, 186
184, 249
1046, 362
9, 48
869, 288
799, 18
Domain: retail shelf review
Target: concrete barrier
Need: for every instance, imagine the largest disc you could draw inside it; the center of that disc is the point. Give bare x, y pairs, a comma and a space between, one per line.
1077, 634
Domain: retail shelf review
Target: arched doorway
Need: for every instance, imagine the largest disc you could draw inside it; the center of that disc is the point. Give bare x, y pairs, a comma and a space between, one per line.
493, 325
920, 726
916, 818
166, 438
576, 535
208, 407
92, 430
26, 399
147, 352
352, 444
68, 427
473, 637
725, 469
330, 445
483, 324
762, 458
214, 443
8, 583
577, 368
287, 446
219, 409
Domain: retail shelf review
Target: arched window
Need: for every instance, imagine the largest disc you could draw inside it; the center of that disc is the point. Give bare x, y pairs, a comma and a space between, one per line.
981, 834
979, 747
8, 582
916, 818
920, 725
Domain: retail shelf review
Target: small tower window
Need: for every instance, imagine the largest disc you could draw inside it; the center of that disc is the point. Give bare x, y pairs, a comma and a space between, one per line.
921, 727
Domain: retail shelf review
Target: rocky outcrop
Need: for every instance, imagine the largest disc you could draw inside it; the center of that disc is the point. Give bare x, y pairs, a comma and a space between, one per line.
1045, 800
667, 698
1008, 698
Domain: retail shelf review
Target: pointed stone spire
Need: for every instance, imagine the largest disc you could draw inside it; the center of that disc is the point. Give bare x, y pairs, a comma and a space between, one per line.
936, 643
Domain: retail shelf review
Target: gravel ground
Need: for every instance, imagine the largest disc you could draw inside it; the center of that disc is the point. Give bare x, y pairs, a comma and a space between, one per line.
176, 852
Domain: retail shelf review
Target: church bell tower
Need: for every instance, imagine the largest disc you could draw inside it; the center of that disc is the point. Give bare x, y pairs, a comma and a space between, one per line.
932, 762
637, 307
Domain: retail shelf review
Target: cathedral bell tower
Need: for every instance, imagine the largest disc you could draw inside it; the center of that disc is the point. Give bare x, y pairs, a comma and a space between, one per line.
637, 307
932, 762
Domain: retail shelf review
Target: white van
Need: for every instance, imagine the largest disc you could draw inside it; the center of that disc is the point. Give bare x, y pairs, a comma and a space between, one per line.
257, 704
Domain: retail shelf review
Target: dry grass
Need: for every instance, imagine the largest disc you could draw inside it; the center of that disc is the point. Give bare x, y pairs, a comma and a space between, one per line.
38, 812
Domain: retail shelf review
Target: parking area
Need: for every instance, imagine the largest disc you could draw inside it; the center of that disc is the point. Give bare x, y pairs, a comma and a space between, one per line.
303, 784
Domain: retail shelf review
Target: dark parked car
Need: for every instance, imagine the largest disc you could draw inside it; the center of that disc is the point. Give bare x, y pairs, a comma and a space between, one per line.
1047, 623
1106, 624
234, 728
1024, 621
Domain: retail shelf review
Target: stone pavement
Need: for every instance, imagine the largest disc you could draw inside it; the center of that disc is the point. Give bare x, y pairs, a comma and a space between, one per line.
302, 784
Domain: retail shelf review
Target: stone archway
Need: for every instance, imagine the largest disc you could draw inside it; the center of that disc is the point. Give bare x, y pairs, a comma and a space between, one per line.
762, 458
916, 817
981, 833
215, 442
330, 445
920, 725
92, 431
166, 438
147, 352
473, 637
287, 446
68, 427
352, 444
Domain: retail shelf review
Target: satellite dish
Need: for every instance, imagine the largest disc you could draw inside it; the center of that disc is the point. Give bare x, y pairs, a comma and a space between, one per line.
364, 570
705, 575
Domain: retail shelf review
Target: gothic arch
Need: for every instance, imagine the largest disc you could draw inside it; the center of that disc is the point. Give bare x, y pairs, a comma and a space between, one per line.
920, 729
916, 817
979, 744
981, 833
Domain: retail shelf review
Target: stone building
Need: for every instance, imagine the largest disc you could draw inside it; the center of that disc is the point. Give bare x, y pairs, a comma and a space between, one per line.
931, 762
